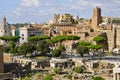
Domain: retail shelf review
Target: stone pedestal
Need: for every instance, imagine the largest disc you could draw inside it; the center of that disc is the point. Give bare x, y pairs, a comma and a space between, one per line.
116, 72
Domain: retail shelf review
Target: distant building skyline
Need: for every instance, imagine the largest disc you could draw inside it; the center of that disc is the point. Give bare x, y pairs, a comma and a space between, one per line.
24, 11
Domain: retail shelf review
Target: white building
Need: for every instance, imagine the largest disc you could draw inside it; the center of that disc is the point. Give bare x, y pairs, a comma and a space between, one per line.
27, 31
4, 29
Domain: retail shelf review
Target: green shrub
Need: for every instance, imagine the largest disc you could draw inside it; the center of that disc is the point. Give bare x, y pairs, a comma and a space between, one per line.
57, 70
48, 77
98, 78
56, 53
99, 58
39, 76
69, 76
26, 78
79, 69
6, 49
30, 74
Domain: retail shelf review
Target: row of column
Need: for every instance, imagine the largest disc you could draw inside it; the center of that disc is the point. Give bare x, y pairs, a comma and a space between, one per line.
116, 76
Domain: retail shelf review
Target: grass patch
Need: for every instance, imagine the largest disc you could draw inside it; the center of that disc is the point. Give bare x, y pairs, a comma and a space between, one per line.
41, 58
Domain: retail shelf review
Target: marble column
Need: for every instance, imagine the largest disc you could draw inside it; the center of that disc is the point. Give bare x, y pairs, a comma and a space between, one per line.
114, 76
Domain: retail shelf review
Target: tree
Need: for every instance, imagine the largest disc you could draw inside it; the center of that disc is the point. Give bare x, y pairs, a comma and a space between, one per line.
94, 48
62, 38
56, 53
26, 48
50, 42
61, 48
82, 50
100, 40
98, 78
83, 43
83, 47
6, 49
30, 48
10, 38
12, 44
11, 48
48, 77
43, 47
14, 50
59, 39
22, 49
38, 38
72, 37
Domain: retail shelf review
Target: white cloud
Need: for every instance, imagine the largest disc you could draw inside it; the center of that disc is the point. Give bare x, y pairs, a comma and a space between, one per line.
92, 3
17, 12
30, 3
23, 9
116, 1
46, 8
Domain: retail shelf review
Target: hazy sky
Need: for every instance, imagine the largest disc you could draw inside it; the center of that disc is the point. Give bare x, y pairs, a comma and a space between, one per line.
20, 11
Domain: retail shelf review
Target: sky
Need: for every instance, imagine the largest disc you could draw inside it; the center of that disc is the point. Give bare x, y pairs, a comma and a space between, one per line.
40, 11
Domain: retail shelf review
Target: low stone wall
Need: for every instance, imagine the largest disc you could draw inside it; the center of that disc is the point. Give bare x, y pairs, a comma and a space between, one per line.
7, 76
6, 57
10, 67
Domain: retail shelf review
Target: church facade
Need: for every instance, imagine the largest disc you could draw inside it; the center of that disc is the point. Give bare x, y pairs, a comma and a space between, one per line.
4, 29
